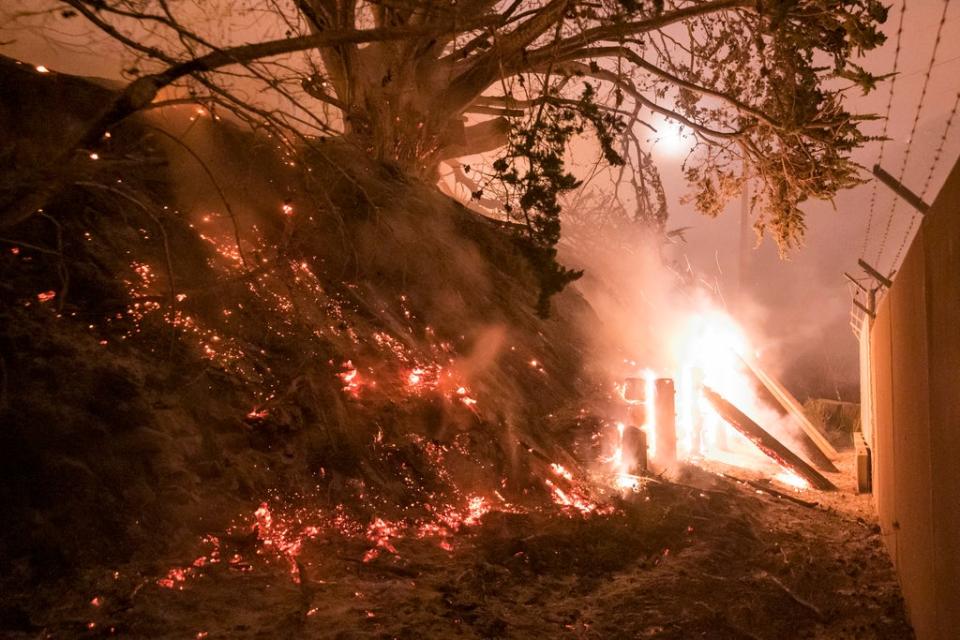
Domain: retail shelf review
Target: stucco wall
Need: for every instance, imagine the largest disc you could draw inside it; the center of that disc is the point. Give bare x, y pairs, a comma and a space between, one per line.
914, 385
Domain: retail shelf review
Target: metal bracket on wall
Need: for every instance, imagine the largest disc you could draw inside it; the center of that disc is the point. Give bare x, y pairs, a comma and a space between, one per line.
876, 275
897, 187
871, 307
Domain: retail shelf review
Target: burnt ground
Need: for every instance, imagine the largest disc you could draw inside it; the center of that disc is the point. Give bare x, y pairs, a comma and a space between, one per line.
708, 558
369, 368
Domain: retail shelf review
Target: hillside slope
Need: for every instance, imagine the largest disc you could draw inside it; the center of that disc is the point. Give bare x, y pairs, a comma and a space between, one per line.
184, 330
246, 395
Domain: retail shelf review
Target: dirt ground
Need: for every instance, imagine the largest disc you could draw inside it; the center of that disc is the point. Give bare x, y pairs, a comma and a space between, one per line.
170, 387
707, 557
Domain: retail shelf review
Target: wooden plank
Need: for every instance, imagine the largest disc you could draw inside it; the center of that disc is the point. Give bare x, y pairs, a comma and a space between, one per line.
766, 488
808, 447
769, 445
788, 402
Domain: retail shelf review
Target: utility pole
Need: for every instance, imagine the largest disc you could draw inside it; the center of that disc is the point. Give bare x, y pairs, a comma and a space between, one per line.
746, 243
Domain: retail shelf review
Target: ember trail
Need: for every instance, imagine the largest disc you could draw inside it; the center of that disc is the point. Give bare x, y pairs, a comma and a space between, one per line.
489, 320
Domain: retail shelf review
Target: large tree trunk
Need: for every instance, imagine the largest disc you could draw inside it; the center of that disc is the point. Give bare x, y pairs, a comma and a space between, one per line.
392, 94
393, 113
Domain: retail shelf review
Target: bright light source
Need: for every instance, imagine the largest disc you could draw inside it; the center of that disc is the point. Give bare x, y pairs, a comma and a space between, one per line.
672, 139
42, 69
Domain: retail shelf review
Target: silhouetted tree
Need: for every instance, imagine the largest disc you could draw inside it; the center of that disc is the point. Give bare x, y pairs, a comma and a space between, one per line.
757, 83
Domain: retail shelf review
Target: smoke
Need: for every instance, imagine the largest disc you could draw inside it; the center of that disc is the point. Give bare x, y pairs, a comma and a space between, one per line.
659, 314
647, 294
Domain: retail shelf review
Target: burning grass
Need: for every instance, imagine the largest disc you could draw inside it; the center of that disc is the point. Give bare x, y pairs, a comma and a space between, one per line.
290, 421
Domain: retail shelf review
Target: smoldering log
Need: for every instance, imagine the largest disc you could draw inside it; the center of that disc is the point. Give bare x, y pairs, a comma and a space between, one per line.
766, 442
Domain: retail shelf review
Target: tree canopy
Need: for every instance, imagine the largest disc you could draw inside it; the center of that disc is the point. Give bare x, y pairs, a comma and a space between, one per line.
759, 84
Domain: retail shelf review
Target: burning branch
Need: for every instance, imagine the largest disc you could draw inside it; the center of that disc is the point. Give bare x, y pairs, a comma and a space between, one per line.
766, 442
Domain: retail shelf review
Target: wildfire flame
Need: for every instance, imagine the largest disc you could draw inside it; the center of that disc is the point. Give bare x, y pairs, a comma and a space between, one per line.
707, 350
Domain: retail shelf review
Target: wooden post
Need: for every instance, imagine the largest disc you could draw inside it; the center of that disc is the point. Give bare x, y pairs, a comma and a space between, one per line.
766, 442
609, 440
634, 447
665, 412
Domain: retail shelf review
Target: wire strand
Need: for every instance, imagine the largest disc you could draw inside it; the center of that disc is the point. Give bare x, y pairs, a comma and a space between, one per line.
929, 178
886, 123
910, 139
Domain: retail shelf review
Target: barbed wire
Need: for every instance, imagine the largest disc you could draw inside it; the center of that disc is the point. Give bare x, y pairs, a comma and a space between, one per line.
943, 141
886, 123
906, 154
930, 172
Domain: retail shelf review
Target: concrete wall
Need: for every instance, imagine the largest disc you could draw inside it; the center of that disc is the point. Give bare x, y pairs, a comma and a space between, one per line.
914, 386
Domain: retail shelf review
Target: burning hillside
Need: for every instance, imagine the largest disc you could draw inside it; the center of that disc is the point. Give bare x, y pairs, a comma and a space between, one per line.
251, 394
292, 334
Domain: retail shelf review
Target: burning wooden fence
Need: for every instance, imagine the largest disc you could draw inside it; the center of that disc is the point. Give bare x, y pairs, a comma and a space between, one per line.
649, 438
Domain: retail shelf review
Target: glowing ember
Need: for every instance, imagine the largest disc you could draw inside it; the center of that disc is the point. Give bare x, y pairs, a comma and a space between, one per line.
425, 378
573, 499
257, 414
792, 480
627, 482
351, 379
282, 531
264, 519
175, 578
561, 471
379, 533
469, 402
46, 296
477, 507
282, 538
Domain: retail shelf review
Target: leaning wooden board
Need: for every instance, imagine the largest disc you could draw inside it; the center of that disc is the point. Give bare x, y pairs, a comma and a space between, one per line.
772, 447
786, 399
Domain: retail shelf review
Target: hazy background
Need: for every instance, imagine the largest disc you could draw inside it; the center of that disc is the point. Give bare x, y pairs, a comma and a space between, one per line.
802, 304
